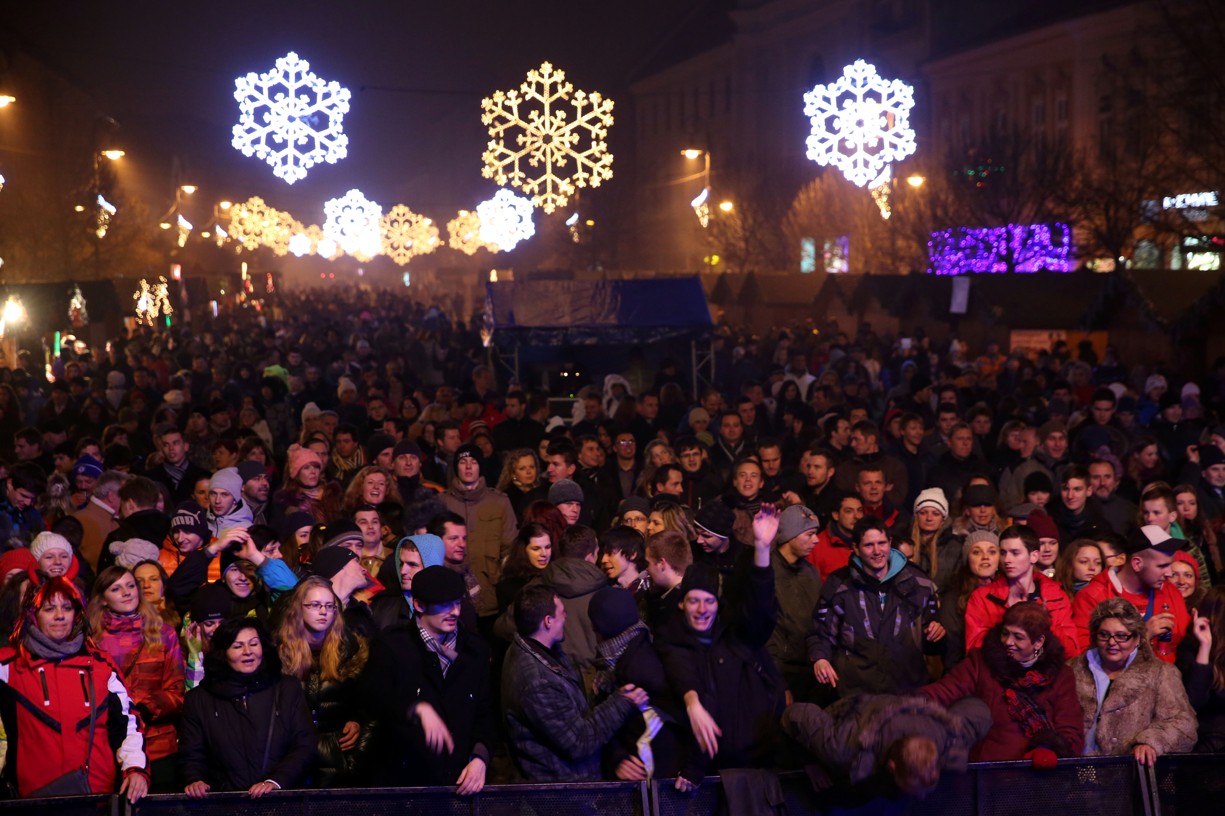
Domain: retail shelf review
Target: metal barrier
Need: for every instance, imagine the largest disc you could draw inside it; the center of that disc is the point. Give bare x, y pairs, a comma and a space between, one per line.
1181, 785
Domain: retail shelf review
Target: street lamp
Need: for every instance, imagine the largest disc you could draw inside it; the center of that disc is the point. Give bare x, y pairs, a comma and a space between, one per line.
726, 206
915, 181
6, 99
700, 207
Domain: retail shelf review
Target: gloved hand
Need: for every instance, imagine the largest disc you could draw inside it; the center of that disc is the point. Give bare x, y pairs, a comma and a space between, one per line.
1043, 759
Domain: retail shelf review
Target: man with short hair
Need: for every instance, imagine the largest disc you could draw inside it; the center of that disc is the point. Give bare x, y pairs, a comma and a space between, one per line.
370, 551
645, 424
427, 682
437, 469
836, 542
347, 454
865, 442
140, 516
701, 483
1117, 511
553, 734
669, 480
517, 430
453, 531
1144, 582
814, 484
99, 516
729, 445
626, 464
255, 489
958, 464
1073, 514
1020, 580
1210, 489
873, 489
913, 454
668, 555
490, 522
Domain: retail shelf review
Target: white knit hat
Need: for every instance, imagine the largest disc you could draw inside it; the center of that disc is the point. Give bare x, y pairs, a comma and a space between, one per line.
131, 552
46, 541
932, 497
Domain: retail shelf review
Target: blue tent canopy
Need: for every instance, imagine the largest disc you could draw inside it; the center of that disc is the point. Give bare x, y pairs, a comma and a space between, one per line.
566, 313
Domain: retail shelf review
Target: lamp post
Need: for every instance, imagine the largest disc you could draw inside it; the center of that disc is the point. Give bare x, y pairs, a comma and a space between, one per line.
700, 206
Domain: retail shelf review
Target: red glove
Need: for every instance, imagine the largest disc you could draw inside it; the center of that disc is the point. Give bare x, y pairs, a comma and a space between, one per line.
1043, 759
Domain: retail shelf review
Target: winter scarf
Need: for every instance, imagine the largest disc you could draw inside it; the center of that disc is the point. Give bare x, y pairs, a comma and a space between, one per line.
45, 648
1022, 707
609, 651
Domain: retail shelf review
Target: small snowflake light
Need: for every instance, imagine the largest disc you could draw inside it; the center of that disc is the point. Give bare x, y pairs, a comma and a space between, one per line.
556, 138
464, 233
506, 219
351, 222
291, 118
407, 234
860, 123
152, 300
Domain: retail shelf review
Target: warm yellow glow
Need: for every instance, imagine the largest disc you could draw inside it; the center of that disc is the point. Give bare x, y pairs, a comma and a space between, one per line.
6, 100
546, 138
406, 234
13, 311
464, 233
113, 155
164, 225
691, 153
726, 206
79, 208
915, 181
206, 234
188, 188
493, 276
225, 205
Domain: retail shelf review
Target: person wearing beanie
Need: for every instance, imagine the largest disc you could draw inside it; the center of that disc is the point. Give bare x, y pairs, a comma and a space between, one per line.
413, 554
717, 545
567, 496
797, 586
188, 532
226, 508
936, 550
1048, 541
428, 685
718, 664
379, 449
255, 489
85, 475
131, 552
54, 555
406, 458
876, 620
305, 488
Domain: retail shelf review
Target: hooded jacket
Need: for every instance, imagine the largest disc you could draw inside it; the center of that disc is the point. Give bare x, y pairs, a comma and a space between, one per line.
873, 631
239, 516
491, 527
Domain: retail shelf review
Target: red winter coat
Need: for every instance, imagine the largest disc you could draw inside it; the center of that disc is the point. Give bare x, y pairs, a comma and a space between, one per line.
1106, 585
46, 717
155, 679
979, 676
987, 605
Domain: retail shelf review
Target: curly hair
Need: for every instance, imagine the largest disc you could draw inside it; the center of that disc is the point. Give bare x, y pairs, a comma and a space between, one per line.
353, 494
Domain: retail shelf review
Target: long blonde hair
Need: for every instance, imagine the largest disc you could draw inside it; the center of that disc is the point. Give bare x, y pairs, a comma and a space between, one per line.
293, 645
150, 618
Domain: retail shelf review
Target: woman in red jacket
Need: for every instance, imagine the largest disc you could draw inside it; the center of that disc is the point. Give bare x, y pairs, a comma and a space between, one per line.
49, 678
145, 648
1019, 672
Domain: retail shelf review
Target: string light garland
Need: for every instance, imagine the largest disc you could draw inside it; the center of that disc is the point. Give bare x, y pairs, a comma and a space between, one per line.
1016, 248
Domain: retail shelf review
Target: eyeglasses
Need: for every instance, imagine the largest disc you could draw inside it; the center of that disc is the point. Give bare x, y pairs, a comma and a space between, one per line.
315, 606
1107, 637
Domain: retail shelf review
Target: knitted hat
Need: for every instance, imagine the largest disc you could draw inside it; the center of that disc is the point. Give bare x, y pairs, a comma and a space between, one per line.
977, 495
211, 602
700, 576
87, 466
430, 547
377, 443
227, 479
1038, 481
611, 611
294, 522
331, 560
310, 411
46, 541
978, 536
716, 518
698, 414
248, 470
1153, 382
565, 490
438, 585
1053, 426
18, 559
468, 450
1210, 455
932, 497
131, 552
406, 446
190, 517
341, 533
1185, 557
794, 521
1043, 525
300, 457
634, 504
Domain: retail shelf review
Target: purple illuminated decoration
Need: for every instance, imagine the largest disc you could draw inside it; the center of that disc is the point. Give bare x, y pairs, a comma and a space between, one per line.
1014, 248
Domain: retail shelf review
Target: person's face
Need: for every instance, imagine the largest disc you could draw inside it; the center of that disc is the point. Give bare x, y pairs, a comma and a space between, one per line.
945, 421
524, 470
984, 560
455, 543
374, 488
748, 414
656, 570
1103, 411
410, 565
626, 447
1016, 560
1056, 445
961, 443
468, 470
771, 460
1153, 568
1156, 511
1182, 576
841, 435
700, 608
1074, 493
1102, 480
318, 609
327, 424
711, 543
1038, 497
747, 480
803, 544
514, 408
149, 579
614, 564
558, 468
246, 653
20, 497
730, 429
691, 459
981, 514
56, 617
185, 541
407, 466
648, 406
55, 562
556, 623
655, 523
27, 450
912, 433
929, 518
981, 424
367, 522
450, 441
309, 475
1086, 564
1018, 644
257, 489
345, 445
238, 583
816, 470
871, 486
1114, 643
1188, 506
849, 512
1048, 551
861, 443
675, 484
873, 550
539, 551
376, 410
661, 455
699, 424
85, 483
220, 502
591, 455
635, 519
123, 596
1215, 475
570, 511
591, 409
439, 619
713, 403
173, 448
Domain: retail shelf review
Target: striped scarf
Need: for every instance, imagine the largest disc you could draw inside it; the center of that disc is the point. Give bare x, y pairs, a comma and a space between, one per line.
445, 648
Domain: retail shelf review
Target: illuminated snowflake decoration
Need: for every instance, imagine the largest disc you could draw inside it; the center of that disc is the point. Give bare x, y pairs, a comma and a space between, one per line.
552, 150
353, 223
301, 244
249, 220
280, 231
464, 233
860, 123
506, 219
152, 301
291, 118
406, 234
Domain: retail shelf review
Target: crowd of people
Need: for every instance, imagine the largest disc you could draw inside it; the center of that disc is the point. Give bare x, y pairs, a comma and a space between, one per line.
322, 546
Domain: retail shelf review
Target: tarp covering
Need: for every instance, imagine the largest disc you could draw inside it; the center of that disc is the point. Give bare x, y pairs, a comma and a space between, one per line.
562, 313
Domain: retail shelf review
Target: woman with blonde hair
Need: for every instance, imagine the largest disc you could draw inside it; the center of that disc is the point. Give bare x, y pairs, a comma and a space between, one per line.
671, 516
145, 649
315, 647
936, 551
370, 485
520, 480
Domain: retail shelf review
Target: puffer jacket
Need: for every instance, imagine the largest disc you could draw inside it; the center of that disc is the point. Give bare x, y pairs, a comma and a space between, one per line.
1145, 704
333, 703
154, 678
873, 631
491, 527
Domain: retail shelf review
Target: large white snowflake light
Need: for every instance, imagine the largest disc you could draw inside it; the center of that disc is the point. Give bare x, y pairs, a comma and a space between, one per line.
353, 222
860, 123
407, 234
552, 149
291, 118
506, 219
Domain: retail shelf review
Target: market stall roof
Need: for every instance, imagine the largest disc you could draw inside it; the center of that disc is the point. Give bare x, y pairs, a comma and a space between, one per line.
562, 313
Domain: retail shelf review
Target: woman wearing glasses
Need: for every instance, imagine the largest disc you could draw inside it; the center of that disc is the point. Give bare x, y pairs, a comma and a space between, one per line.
316, 648
1133, 702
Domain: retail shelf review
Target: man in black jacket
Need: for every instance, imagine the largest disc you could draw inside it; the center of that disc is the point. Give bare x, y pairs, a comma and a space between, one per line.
428, 684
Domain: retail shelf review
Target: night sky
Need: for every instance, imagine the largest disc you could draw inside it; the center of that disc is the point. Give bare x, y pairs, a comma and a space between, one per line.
165, 71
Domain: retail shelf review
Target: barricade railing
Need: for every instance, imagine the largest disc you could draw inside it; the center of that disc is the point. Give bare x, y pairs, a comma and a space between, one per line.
1180, 785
